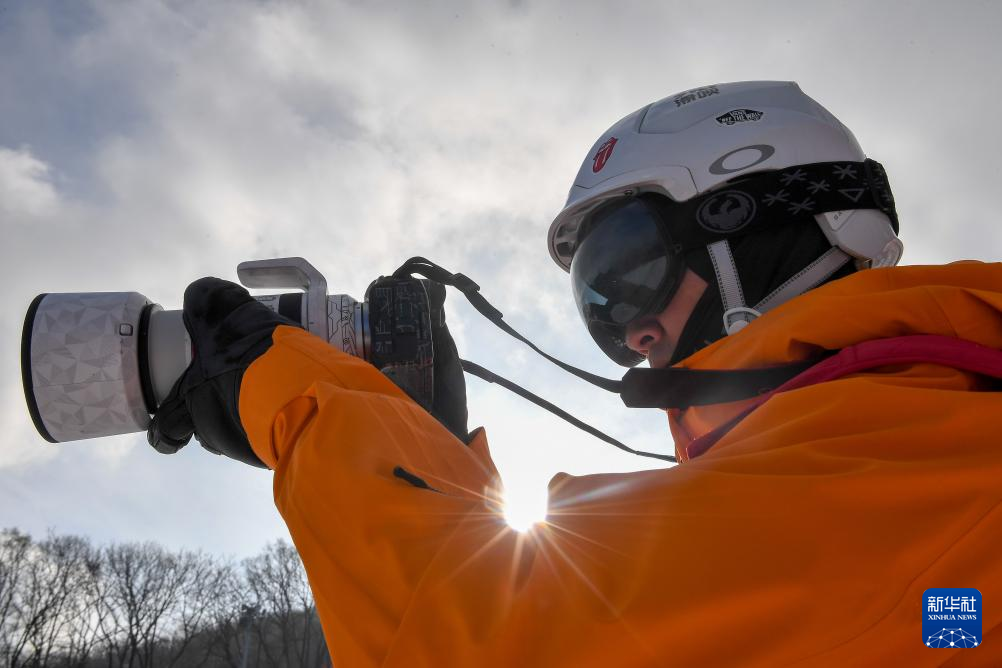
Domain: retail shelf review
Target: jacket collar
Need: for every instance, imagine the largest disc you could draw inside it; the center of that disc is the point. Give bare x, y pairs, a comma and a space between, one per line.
960, 300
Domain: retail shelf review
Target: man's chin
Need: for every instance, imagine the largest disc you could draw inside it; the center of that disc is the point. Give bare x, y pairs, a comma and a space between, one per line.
656, 361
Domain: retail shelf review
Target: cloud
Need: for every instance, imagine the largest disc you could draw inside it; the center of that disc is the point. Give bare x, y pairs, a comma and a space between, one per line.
26, 189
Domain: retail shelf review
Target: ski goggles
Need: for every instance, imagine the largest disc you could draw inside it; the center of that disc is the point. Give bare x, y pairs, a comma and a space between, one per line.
627, 265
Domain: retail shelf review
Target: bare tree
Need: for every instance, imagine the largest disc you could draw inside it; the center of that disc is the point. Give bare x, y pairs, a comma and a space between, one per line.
67, 628
203, 581
66, 604
229, 627
82, 613
138, 589
52, 579
14, 547
287, 625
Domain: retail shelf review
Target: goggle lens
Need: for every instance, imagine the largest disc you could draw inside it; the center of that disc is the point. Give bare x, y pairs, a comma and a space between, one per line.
624, 267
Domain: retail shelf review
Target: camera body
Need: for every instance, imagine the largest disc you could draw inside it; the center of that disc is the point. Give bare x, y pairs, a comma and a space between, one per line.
99, 364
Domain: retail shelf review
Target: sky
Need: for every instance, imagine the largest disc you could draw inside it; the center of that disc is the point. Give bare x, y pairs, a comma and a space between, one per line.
145, 144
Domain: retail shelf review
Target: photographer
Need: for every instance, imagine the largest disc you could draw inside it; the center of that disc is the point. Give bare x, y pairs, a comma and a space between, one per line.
733, 227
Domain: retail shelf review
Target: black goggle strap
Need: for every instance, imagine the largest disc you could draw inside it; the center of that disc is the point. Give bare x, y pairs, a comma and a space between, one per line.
786, 195
639, 388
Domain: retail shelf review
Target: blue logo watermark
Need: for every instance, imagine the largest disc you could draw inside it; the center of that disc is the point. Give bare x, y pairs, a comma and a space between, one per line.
951, 617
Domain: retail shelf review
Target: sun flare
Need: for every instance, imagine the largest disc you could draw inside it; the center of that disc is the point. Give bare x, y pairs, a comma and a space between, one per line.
524, 508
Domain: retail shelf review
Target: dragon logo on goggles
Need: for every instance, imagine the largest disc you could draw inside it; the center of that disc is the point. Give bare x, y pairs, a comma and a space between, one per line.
726, 212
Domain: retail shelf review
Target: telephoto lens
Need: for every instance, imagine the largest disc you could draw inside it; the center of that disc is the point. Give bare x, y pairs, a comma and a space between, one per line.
98, 364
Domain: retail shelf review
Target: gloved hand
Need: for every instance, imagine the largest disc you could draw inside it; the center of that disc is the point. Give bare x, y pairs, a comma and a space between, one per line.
449, 400
229, 329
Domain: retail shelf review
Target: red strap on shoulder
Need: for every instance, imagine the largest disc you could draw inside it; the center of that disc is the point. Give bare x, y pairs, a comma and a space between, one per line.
944, 350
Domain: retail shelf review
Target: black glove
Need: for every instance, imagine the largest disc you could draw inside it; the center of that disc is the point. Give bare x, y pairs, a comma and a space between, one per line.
229, 329
449, 400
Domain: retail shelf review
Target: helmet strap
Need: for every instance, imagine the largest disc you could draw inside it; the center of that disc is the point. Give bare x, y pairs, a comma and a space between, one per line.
732, 298
736, 314
809, 277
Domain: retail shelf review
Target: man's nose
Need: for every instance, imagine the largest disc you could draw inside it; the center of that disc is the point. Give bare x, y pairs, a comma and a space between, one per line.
643, 334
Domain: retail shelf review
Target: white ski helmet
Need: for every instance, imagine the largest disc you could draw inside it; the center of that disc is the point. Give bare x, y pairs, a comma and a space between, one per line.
791, 157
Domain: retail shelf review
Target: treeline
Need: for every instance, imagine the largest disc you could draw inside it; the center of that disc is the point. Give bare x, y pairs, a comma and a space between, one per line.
67, 603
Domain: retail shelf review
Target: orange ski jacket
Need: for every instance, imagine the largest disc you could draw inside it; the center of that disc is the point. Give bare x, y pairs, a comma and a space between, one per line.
805, 536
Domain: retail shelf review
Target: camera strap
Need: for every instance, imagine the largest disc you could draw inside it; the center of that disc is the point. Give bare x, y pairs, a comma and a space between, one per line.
475, 369
470, 290
673, 387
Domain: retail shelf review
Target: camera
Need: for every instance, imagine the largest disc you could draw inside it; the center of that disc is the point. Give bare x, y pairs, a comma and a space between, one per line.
100, 363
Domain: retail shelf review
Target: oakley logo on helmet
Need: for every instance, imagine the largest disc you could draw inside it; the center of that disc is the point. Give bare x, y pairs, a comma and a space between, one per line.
741, 158
604, 152
739, 116
726, 212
